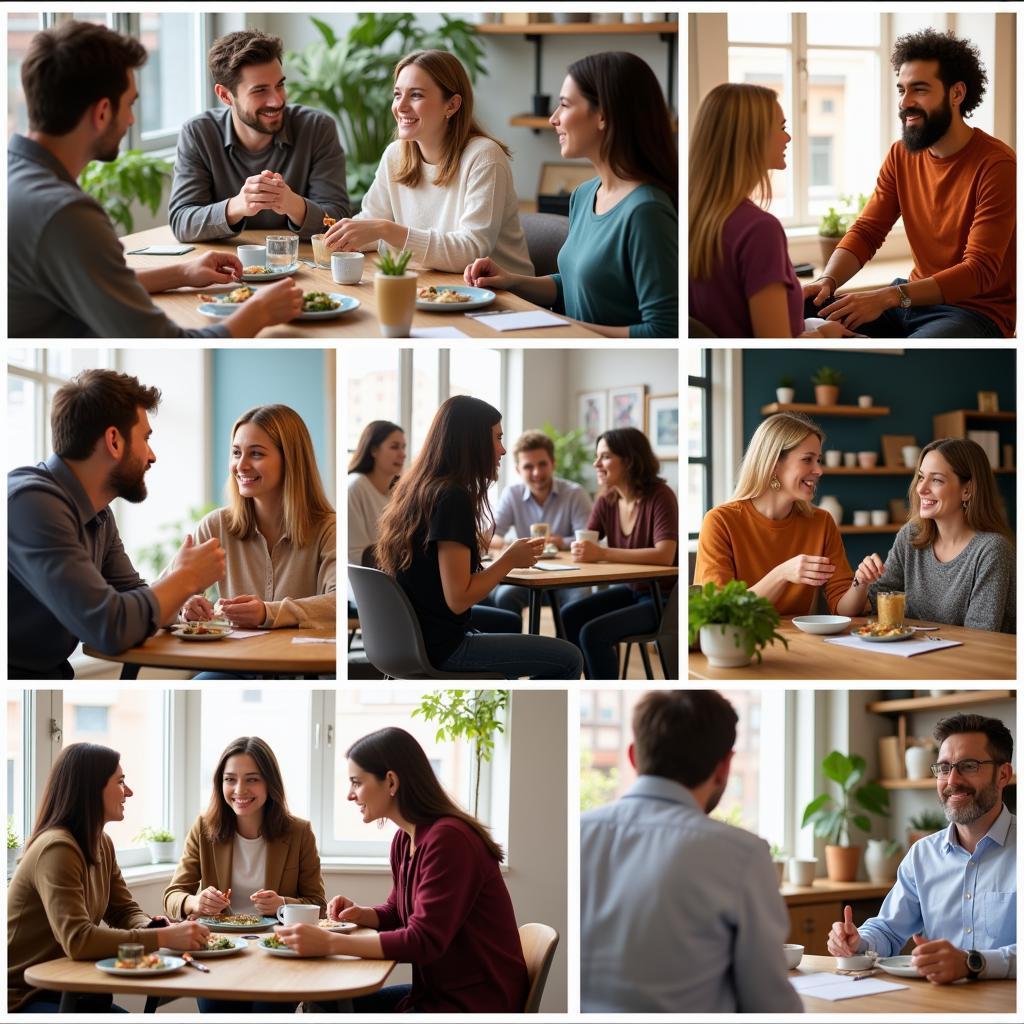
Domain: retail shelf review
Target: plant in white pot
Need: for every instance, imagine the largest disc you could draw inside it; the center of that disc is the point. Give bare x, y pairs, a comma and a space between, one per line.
785, 392
394, 288
13, 846
161, 844
733, 624
882, 859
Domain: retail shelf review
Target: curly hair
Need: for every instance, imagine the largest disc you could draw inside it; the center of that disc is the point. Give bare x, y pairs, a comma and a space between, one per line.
959, 61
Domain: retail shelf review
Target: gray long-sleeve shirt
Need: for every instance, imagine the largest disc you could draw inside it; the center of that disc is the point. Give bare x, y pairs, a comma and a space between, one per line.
976, 589
211, 166
66, 272
68, 577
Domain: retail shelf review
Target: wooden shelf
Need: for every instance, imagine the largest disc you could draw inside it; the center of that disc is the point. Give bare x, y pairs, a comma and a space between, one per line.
579, 28
974, 415
858, 530
852, 411
959, 698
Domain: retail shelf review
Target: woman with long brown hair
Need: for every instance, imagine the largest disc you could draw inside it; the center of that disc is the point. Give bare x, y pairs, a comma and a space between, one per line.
432, 535
444, 188
247, 854
67, 896
373, 471
955, 558
449, 914
618, 271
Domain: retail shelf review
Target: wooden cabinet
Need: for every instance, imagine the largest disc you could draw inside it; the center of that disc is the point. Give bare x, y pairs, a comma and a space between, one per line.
813, 909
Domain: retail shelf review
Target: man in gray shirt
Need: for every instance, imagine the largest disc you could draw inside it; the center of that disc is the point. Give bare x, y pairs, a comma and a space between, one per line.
256, 162
66, 271
68, 577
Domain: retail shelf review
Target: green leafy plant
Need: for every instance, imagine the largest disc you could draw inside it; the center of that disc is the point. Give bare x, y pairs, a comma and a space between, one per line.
153, 835
13, 840
786, 382
836, 223
734, 605
777, 852
572, 454
927, 821
133, 177
597, 786
474, 715
892, 847
393, 264
352, 77
832, 818
828, 376
157, 556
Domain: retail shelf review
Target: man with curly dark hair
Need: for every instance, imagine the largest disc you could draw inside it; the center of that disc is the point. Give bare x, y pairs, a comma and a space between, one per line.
955, 187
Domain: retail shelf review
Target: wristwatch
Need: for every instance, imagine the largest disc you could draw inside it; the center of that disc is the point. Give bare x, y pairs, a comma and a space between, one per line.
975, 965
904, 297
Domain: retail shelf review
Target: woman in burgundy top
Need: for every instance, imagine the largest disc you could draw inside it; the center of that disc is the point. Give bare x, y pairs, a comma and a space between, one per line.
639, 514
448, 914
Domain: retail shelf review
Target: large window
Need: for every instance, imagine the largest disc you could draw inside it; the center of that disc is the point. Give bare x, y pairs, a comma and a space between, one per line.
698, 439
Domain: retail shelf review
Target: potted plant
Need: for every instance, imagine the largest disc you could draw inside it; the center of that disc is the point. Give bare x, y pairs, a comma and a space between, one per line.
924, 824
733, 624
882, 859
394, 288
785, 393
826, 381
778, 860
832, 818
13, 846
834, 224
161, 843
572, 454
133, 176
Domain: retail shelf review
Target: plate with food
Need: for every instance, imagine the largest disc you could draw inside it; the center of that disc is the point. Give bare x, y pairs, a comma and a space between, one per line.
200, 631
239, 922
225, 303
450, 298
336, 926
151, 964
876, 633
217, 945
899, 965
273, 945
268, 273
324, 305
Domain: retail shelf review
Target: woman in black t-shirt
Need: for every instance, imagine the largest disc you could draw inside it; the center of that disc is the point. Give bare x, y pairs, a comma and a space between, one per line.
431, 535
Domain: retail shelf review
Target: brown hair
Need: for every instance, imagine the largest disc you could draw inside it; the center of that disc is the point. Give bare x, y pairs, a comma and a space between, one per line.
70, 67
374, 434
219, 823
998, 740
682, 734
457, 452
237, 50
421, 798
969, 463
449, 74
959, 61
531, 441
305, 503
73, 798
632, 446
88, 404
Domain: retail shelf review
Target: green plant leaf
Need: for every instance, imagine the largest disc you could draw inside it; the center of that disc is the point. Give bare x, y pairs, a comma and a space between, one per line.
874, 798
837, 768
812, 809
862, 821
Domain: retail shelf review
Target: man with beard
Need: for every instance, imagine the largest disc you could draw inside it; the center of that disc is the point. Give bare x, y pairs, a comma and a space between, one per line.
68, 577
255, 162
955, 187
678, 912
956, 890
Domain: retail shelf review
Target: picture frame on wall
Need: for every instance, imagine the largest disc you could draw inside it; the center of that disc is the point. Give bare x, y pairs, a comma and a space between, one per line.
626, 407
591, 415
661, 425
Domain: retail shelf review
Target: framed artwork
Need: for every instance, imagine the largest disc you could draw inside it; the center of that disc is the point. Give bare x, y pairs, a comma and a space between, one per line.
592, 415
661, 424
626, 407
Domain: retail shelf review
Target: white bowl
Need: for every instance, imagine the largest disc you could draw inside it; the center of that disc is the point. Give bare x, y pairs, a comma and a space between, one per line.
822, 624
861, 962
793, 954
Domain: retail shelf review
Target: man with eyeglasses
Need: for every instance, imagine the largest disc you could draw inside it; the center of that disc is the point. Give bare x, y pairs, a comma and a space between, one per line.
956, 891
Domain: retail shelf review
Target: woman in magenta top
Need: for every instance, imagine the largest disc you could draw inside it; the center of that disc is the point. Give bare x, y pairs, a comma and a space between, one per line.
639, 515
449, 913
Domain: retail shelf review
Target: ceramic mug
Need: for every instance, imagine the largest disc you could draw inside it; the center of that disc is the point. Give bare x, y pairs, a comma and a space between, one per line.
833, 457
862, 518
347, 267
801, 871
591, 535
879, 517
298, 913
252, 255
864, 401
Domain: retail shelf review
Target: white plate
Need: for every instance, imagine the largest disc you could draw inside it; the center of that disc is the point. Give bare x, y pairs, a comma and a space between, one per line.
176, 631
347, 305
337, 926
885, 639
203, 954
173, 963
822, 624
274, 275
478, 298
265, 924
280, 952
898, 965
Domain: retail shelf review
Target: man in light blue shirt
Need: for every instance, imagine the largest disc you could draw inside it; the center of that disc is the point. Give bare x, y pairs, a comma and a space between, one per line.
956, 891
678, 912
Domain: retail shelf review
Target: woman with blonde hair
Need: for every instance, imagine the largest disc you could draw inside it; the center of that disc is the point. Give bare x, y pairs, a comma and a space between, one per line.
742, 283
770, 535
443, 188
955, 558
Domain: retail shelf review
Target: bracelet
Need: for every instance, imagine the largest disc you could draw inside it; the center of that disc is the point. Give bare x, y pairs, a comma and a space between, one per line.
828, 277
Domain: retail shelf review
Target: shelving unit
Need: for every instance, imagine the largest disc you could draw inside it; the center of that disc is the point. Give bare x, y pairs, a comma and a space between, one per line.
811, 409
959, 421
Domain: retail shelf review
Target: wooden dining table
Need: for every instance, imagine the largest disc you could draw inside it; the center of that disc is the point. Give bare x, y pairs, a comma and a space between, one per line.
252, 975
182, 304
919, 996
272, 651
981, 655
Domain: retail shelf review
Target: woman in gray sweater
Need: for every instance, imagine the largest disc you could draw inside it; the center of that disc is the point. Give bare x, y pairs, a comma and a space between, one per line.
955, 558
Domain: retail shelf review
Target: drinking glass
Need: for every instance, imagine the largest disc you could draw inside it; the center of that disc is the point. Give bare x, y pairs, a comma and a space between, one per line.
282, 250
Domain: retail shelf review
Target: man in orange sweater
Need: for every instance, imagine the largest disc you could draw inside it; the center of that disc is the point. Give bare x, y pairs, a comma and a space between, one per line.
955, 187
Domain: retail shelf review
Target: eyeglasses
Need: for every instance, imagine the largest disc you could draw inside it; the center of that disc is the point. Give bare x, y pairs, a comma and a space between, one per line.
969, 766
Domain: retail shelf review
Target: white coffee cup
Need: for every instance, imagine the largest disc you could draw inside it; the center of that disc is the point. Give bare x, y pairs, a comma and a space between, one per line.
911, 453
850, 459
298, 913
833, 457
347, 267
793, 954
591, 535
862, 518
860, 962
864, 401
802, 870
879, 517
252, 255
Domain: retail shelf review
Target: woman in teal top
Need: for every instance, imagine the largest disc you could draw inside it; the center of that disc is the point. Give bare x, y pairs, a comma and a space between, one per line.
619, 267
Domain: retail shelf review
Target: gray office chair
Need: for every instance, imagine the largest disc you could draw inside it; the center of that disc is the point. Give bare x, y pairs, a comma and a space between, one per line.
545, 235
391, 632
666, 637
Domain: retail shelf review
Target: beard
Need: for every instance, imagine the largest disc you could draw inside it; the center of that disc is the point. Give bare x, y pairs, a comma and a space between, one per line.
982, 801
108, 145
932, 127
128, 479
253, 121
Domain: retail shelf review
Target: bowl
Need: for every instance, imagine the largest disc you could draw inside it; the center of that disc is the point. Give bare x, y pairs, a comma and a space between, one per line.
867, 460
861, 962
793, 954
822, 624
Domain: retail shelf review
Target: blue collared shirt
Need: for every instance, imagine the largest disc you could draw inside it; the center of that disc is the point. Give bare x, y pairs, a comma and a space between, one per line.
678, 912
566, 510
944, 892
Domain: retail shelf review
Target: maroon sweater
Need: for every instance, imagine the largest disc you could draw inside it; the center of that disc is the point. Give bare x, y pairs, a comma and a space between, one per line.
450, 916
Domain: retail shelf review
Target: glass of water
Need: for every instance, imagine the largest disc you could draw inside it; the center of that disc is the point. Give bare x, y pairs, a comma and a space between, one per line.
282, 250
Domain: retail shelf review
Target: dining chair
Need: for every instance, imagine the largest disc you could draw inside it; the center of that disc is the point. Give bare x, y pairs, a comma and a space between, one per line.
545, 235
539, 942
392, 638
666, 637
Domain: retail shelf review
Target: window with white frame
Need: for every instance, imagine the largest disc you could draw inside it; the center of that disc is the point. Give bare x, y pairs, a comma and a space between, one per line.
698, 439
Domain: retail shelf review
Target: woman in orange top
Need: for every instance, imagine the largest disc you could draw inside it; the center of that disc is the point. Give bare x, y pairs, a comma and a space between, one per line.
770, 535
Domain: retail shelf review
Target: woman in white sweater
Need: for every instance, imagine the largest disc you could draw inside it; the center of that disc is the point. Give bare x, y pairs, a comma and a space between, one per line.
375, 466
443, 189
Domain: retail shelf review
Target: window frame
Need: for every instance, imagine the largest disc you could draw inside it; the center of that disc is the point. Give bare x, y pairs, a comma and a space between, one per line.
704, 382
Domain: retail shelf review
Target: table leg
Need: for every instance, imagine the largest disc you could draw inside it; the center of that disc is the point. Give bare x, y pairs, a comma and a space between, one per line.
556, 614
68, 1002
129, 671
536, 600
152, 1002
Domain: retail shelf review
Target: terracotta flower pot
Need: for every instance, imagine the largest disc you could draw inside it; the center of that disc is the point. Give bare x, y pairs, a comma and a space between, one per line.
841, 863
826, 394
828, 246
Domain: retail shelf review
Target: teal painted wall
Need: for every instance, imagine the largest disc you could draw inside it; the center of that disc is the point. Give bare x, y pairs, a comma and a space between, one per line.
243, 378
915, 386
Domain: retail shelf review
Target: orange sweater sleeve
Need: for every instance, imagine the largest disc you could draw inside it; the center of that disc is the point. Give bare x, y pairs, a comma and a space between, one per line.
716, 560
842, 578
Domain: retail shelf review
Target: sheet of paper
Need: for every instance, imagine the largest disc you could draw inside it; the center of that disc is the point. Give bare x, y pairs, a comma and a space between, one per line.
313, 640
522, 321
900, 648
437, 332
161, 250
834, 987
555, 567
246, 634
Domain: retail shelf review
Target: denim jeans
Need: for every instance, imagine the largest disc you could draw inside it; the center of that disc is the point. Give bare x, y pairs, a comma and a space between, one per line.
515, 599
488, 619
382, 1001
242, 1006
597, 623
515, 655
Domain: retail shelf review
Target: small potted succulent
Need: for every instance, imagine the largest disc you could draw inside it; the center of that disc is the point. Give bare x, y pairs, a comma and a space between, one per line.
394, 288
779, 860
826, 381
785, 392
924, 824
733, 624
13, 846
161, 844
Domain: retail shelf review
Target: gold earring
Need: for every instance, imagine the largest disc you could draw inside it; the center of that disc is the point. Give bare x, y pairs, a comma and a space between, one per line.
775, 484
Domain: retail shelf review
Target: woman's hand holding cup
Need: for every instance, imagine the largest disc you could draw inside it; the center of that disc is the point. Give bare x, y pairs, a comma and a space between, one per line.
524, 552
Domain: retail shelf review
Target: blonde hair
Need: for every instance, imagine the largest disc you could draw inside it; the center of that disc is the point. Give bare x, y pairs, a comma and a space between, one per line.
449, 74
969, 463
728, 163
305, 503
773, 440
